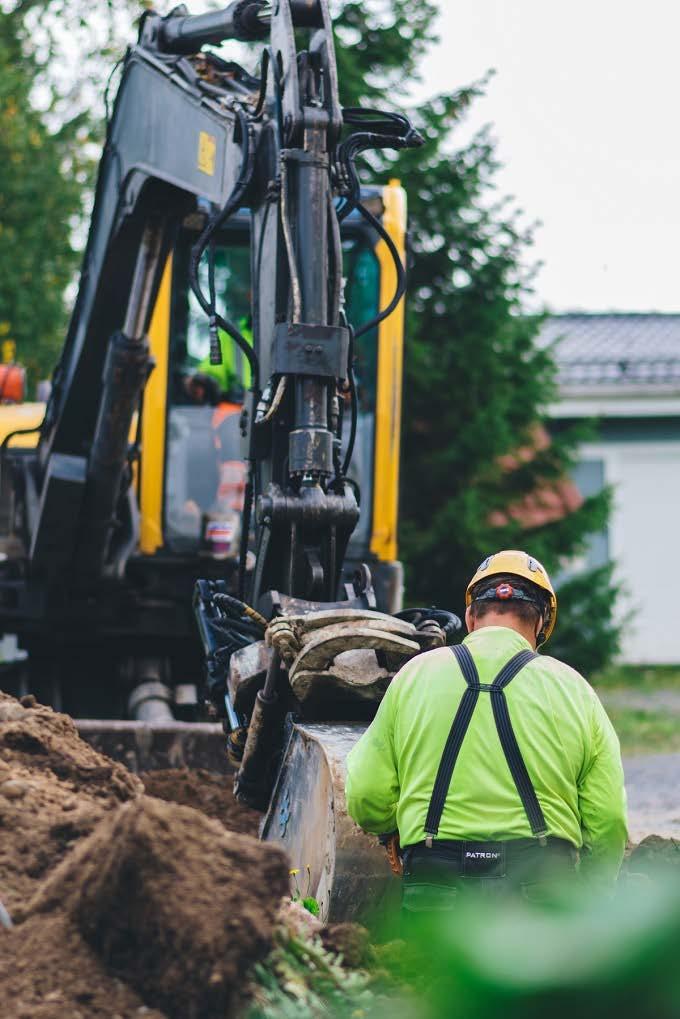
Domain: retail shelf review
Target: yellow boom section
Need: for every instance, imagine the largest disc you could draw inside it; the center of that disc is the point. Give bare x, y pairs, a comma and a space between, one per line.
153, 422
388, 397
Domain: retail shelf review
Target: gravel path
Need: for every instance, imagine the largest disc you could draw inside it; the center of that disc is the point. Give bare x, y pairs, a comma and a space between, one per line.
653, 787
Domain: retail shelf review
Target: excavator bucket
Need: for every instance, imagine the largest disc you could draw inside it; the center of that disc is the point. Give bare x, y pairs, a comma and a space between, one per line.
346, 870
308, 688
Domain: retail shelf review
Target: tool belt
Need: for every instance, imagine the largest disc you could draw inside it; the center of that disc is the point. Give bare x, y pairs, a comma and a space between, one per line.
446, 861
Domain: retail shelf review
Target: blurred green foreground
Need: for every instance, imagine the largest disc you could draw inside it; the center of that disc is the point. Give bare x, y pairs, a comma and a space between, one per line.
585, 953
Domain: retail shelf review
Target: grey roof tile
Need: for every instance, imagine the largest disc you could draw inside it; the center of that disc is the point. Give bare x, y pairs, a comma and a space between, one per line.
614, 349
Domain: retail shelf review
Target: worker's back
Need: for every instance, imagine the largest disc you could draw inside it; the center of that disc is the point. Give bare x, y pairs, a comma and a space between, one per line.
568, 745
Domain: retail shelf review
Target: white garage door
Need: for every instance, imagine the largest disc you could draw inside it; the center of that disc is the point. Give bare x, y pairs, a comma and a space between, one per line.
644, 542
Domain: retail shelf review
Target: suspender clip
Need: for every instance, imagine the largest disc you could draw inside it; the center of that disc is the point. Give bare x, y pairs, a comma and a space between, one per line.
543, 840
428, 841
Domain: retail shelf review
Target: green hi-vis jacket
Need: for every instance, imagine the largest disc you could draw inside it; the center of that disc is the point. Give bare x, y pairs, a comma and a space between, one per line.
568, 744
234, 367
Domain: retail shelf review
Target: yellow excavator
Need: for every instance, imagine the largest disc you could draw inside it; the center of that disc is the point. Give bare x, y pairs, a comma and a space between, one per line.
203, 517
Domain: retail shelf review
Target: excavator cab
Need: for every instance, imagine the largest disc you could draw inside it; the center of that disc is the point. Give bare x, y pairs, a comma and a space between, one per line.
192, 468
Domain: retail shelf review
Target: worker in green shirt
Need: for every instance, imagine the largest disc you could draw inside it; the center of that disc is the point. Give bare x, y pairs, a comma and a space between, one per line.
233, 374
210, 383
490, 761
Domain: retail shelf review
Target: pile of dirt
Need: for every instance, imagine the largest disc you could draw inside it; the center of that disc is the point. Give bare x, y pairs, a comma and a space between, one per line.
654, 856
123, 904
129, 904
54, 789
207, 791
171, 902
48, 971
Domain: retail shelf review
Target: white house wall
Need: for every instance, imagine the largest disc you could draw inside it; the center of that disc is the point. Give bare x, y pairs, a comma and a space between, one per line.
644, 542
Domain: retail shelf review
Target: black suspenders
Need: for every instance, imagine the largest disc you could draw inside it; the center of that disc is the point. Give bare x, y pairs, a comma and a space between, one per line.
506, 735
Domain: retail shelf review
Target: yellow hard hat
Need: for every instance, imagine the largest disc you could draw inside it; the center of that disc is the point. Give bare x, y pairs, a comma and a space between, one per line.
518, 564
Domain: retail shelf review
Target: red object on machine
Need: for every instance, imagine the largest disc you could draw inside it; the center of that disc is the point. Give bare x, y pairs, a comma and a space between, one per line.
12, 383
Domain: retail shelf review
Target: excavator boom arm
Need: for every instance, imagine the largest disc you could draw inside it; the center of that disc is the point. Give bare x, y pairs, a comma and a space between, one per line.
192, 134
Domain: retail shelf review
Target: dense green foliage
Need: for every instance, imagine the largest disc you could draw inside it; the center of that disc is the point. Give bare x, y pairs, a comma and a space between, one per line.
54, 56
300, 980
379, 46
40, 193
587, 950
583, 949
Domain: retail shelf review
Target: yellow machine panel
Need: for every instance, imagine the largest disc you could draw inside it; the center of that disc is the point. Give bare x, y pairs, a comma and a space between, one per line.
153, 423
19, 417
390, 368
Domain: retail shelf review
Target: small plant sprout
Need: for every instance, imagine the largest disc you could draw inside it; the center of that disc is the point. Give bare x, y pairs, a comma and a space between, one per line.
307, 901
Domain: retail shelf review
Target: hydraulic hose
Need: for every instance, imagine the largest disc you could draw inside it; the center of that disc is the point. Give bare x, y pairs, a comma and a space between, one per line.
231, 604
231, 205
354, 405
449, 621
254, 779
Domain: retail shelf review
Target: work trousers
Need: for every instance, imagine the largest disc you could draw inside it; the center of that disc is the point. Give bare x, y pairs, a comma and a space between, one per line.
435, 877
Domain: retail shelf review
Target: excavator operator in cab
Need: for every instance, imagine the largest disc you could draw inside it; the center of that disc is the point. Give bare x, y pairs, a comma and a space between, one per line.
488, 761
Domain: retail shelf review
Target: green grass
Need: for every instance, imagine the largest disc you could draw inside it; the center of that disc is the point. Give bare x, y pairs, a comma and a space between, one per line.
652, 731
646, 732
638, 677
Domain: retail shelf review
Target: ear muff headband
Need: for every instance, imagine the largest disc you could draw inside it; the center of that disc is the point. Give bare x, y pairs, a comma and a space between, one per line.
507, 592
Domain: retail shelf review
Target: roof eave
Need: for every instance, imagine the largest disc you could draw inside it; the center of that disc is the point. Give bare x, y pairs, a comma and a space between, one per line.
643, 401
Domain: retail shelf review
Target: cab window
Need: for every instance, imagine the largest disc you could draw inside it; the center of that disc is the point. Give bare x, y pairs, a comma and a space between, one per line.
205, 475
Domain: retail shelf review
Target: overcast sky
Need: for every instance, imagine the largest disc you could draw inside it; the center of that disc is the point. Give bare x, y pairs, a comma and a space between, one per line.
584, 106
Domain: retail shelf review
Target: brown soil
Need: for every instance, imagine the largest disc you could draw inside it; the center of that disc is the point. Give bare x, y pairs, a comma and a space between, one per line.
122, 903
653, 856
47, 971
172, 902
54, 788
208, 792
351, 941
